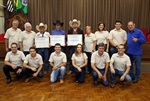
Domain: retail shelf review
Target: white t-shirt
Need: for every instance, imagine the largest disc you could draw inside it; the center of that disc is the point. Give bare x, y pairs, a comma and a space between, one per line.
27, 39
118, 36
101, 37
80, 59
16, 59
12, 36
34, 61
120, 62
58, 59
100, 61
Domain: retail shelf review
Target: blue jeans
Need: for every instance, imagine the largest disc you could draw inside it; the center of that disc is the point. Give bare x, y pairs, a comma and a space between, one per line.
44, 52
55, 73
137, 60
119, 73
28, 73
112, 50
95, 76
26, 53
71, 51
80, 76
89, 61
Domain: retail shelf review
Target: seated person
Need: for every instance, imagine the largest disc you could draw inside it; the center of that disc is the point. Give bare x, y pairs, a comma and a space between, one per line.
58, 61
79, 61
120, 66
13, 62
33, 64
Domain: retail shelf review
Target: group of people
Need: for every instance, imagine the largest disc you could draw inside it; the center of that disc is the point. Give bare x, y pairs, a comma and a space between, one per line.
100, 52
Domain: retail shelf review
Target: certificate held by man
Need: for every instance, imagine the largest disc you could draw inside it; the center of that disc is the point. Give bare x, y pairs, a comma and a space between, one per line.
57, 39
74, 39
42, 42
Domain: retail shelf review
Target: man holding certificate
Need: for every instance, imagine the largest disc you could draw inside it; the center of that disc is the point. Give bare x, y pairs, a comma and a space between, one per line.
75, 30
42, 45
58, 35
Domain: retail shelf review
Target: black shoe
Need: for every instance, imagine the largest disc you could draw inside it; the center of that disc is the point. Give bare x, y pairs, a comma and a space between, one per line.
135, 81
8, 81
112, 85
95, 83
121, 83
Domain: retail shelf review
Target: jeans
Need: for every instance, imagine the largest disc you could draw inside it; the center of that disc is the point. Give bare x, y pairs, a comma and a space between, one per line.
44, 52
58, 72
28, 73
71, 51
112, 50
89, 61
7, 69
26, 53
137, 60
80, 76
95, 76
119, 73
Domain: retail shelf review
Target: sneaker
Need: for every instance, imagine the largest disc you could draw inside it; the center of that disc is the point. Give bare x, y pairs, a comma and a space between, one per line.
112, 85
8, 81
70, 72
61, 81
95, 83
27, 80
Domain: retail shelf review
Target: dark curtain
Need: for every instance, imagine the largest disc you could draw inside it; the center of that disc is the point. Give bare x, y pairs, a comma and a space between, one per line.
90, 12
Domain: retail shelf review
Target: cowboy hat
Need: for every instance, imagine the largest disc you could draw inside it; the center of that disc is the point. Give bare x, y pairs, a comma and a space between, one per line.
41, 25
74, 21
58, 22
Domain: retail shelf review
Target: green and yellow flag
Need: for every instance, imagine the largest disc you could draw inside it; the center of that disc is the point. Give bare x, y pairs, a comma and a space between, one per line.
21, 4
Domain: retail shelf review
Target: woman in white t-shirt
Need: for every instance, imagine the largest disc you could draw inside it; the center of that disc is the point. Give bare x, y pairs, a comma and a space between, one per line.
79, 61
102, 36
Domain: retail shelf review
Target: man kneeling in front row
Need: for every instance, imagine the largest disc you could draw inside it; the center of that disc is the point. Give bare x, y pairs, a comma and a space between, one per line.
58, 62
120, 66
33, 64
13, 62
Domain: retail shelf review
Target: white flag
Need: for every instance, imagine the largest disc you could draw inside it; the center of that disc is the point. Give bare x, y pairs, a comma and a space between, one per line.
10, 7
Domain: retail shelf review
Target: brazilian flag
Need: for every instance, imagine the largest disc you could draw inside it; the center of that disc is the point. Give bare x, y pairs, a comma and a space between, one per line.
21, 4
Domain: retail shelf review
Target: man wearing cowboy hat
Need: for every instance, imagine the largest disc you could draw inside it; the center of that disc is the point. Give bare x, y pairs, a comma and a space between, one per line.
58, 31
74, 24
44, 52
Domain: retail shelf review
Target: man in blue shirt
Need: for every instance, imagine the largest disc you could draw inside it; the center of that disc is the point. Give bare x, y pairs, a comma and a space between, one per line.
58, 31
135, 39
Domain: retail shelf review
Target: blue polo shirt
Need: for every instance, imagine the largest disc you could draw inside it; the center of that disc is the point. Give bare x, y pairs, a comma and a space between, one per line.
135, 48
58, 32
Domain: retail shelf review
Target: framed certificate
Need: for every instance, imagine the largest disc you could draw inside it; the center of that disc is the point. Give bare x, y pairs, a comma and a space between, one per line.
42, 42
57, 39
74, 39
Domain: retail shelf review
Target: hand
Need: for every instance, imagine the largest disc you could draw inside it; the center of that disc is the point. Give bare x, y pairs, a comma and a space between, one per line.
34, 45
100, 75
79, 69
122, 78
134, 39
107, 50
33, 69
19, 71
112, 70
104, 78
21, 49
35, 74
54, 67
14, 67
6, 50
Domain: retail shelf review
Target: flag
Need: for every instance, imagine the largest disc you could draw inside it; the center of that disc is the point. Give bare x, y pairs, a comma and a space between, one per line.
17, 4
10, 7
21, 4
24, 6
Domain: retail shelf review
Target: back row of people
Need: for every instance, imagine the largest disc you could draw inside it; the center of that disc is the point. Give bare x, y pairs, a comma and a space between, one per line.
116, 37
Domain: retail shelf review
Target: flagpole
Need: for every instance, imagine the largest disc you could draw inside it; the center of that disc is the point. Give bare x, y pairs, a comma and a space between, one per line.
2, 6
